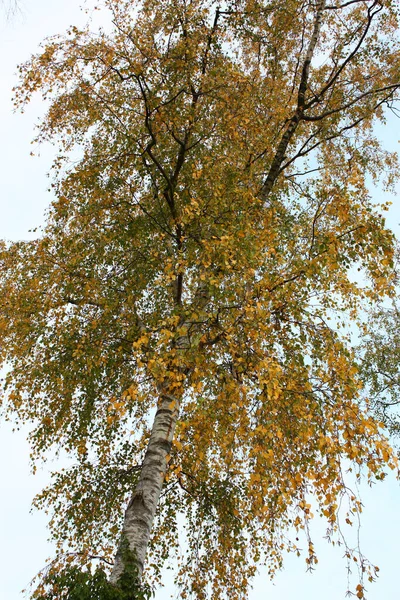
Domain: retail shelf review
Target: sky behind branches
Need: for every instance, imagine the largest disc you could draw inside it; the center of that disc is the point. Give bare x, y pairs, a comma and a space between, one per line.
23, 201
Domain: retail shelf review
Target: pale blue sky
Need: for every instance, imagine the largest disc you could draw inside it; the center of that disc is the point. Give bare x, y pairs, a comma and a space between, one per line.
23, 200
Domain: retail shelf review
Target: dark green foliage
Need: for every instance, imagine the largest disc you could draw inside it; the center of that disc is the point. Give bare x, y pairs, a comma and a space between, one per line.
73, 583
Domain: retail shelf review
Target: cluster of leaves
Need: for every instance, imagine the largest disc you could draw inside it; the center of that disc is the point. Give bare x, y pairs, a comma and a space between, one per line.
73, 583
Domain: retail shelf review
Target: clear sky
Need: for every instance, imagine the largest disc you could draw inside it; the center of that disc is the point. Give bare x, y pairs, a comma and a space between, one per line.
23, 200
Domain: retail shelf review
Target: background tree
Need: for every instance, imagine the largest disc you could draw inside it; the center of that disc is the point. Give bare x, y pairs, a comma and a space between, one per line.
10, 7
194, 272
379, 365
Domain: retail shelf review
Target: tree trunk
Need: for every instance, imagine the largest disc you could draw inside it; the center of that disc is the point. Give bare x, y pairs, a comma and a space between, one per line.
141, 510
139, 515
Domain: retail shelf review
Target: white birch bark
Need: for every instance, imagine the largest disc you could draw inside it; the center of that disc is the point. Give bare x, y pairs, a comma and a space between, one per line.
141, 510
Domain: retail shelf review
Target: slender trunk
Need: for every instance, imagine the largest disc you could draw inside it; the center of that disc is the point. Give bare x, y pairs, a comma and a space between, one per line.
139, 515
141, 510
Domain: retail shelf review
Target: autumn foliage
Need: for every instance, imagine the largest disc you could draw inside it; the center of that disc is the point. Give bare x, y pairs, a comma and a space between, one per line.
199, 263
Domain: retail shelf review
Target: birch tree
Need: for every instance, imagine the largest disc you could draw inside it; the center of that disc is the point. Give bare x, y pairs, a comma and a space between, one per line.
177, 327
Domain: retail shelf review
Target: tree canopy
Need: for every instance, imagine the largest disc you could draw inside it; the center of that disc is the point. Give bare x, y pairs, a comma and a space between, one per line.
198, 267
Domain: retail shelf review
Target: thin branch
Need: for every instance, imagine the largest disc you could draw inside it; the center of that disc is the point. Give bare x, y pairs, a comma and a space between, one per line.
333, 7
392, 87
331, 81
295, 120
